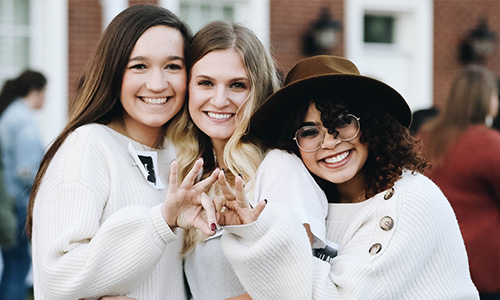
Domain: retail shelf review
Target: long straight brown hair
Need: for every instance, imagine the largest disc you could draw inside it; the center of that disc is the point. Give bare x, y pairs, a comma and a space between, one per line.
468, 103
97, 99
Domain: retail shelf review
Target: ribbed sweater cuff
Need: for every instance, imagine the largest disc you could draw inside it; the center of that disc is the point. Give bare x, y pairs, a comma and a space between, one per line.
161, 226
253, 232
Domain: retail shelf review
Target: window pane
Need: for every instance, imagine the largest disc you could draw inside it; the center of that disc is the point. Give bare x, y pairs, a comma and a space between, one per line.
228, 13
21, 51
21, 12
379, 29
2, 12
184, 11
206, 13
3, 54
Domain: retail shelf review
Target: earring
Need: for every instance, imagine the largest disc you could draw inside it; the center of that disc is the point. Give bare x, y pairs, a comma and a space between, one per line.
488, 121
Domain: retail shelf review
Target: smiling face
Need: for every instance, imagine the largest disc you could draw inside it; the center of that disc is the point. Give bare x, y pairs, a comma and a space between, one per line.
154, 82
218, 87
336, 161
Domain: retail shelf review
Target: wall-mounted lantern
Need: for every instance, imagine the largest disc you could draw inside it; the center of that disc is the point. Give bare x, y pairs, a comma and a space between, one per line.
479, 43
322, 35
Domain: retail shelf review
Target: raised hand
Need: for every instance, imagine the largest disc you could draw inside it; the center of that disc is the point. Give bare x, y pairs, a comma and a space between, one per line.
232, 206
184, 204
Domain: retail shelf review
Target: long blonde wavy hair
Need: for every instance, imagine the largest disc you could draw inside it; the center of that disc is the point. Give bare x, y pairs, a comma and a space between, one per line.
241, 156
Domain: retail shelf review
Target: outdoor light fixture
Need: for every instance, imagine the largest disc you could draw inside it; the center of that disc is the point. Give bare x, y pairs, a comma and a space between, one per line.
482, 38
321, 36
479, 43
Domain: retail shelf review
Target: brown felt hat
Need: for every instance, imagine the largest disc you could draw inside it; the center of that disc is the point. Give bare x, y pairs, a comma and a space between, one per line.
325, 74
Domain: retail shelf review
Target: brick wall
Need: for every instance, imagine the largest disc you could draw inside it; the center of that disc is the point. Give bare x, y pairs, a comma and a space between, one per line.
84, 31
453, 19
134, 2
289, 21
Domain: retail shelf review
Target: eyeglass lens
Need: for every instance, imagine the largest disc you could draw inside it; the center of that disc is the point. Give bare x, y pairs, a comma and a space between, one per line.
310, 138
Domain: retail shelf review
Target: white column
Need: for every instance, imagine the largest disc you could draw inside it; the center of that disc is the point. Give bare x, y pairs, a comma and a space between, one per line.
49, 54
172, 5
111, 8
258, 19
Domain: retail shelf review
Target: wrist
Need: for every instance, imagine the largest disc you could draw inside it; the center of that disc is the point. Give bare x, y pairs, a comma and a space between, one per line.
171, 222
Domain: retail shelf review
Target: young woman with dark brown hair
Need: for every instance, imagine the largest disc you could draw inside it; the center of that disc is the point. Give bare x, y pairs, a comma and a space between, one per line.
100, 210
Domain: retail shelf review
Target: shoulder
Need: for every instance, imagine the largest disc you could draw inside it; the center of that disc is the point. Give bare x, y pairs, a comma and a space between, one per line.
418, 188
482, 134
413, 212
87, 148
19, 113
280, 157
422, 204
89, 134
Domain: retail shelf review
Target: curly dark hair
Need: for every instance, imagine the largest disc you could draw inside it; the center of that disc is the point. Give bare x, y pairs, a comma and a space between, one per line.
391, 149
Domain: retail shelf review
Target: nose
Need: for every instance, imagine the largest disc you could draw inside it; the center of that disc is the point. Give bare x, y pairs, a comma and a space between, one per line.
157, 81
220, 98
330, 141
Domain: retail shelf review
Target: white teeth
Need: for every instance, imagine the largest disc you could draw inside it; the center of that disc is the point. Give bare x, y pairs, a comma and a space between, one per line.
154, 100
336, 159
218, 116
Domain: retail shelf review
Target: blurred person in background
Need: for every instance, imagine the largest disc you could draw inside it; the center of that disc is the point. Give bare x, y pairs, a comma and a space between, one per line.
463, 151
420, 117
22, 151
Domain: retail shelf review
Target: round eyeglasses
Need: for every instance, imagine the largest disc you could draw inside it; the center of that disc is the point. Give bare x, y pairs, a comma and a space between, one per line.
310, 138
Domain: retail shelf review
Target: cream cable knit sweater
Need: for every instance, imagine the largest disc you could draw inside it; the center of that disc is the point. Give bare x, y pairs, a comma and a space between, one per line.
416, 254
98, 228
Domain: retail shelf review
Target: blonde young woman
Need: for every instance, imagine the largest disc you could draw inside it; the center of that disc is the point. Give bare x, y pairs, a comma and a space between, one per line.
231, 74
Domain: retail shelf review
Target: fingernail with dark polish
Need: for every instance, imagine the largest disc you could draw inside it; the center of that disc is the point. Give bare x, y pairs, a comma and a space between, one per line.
240, 175
213, 227
223, 171
265, 200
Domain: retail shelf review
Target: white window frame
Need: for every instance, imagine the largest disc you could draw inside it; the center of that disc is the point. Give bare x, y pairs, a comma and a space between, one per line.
9, 29
254, 14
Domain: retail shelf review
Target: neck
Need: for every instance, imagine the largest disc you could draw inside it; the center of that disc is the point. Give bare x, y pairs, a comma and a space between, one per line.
219, 152
141, 134
352, 191
31, 100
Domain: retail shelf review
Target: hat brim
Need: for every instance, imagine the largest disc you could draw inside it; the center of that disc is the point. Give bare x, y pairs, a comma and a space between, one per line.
267, 120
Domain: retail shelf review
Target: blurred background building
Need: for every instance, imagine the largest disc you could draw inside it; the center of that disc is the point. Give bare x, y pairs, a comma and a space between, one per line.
414, 45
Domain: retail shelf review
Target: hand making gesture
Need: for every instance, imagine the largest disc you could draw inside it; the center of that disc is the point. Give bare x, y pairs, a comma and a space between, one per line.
232, 206
184, 204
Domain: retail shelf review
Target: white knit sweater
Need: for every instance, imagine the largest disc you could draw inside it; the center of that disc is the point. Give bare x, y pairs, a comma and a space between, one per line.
98, 228
209, 274
421, 256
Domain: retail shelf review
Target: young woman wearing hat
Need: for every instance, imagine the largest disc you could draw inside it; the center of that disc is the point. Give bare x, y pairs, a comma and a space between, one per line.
397, 235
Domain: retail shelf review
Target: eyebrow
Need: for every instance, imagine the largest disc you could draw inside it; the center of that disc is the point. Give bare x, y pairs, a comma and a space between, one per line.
213, 79
310, 124
240, 79
170, 58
